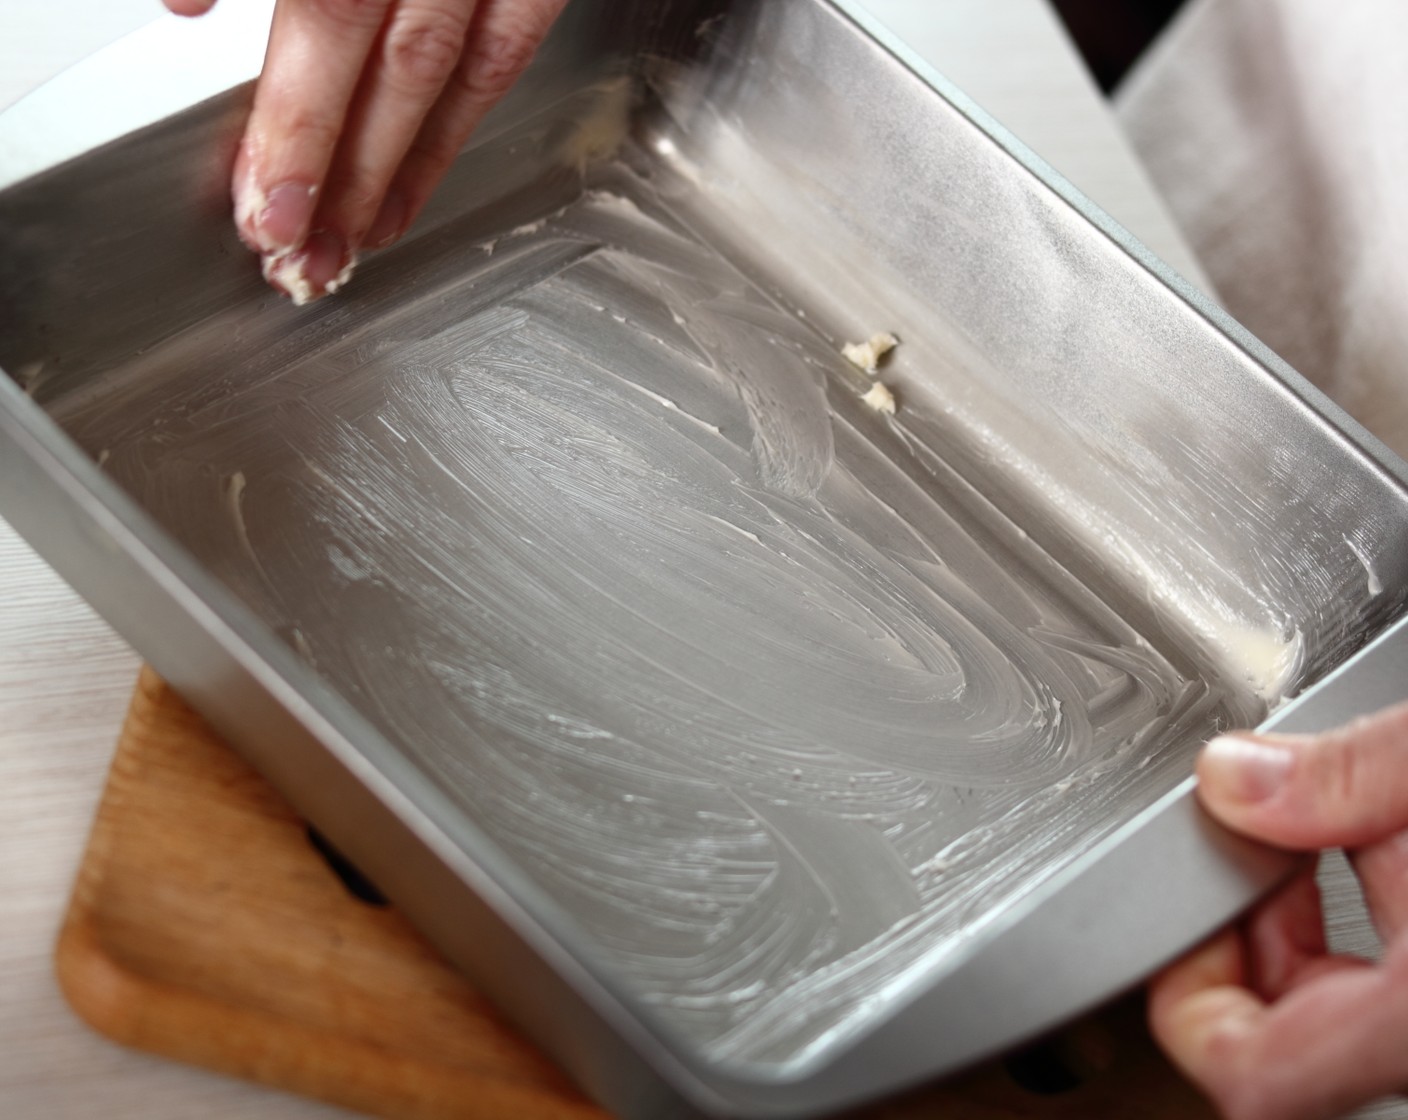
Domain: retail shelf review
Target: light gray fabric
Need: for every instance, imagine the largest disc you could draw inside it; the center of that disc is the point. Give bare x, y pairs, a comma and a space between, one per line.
1278, 132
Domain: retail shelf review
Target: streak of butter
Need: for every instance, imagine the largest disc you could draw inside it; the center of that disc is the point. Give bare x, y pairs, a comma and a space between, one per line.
1374, 583
234, 502
866, 355
602, 131
1264, 658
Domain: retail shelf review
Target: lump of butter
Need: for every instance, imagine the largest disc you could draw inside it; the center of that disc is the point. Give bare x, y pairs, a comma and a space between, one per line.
880, 399
866, 355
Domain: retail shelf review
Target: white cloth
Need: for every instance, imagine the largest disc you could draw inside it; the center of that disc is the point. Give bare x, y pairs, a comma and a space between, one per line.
1278, 132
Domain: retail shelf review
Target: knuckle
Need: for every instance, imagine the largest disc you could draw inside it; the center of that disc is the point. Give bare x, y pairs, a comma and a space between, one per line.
311, 134
1340, 778
422, 48
350, 13
497, 59
1223, 1047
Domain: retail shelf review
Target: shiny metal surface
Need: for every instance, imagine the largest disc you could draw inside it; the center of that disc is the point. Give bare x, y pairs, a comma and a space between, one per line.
797, 740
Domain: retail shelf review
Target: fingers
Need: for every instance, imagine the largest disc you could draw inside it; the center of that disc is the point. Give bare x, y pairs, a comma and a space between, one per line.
1266, 1021
348, 87
1345, 788
1199, 1009
362, 107
1218, 963
1285, 936
1337, 1039
419, 48
1382, 869
501, 41
317, 49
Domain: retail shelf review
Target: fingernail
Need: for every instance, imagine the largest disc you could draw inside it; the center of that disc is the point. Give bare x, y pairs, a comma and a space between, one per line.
277, 221
319, 268
1244, 769
386, 228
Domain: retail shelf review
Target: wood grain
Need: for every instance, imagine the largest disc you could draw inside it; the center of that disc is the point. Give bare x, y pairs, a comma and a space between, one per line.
204, 926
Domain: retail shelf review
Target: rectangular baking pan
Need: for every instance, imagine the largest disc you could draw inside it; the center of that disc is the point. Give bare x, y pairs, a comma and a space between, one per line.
760, 753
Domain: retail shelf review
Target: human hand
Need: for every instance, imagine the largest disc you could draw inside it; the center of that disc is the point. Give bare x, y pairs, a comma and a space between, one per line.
360, 110
1264, 1018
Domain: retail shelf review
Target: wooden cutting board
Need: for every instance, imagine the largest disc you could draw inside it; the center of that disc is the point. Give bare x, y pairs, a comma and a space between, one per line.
209, 926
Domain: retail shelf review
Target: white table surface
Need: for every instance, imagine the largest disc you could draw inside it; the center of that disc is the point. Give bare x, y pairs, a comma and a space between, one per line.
65, 677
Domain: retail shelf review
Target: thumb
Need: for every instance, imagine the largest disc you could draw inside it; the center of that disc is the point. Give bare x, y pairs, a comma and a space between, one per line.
189, 7
1344, 788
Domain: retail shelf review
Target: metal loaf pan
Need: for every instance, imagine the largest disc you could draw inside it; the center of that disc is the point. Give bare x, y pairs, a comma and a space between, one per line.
759, 752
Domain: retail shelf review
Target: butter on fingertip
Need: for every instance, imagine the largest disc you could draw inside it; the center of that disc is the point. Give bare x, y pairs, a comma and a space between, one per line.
290, 275
319, 268
344, 274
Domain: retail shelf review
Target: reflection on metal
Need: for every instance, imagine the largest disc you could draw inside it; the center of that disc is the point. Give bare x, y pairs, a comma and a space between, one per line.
796, 712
